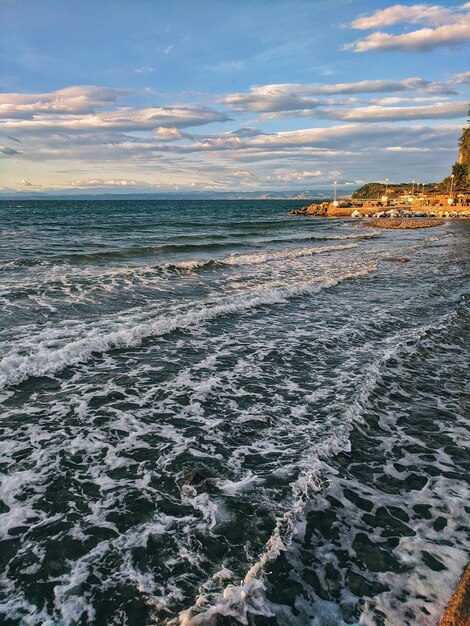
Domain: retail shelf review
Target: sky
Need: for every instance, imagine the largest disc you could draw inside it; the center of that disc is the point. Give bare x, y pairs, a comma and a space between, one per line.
229, 95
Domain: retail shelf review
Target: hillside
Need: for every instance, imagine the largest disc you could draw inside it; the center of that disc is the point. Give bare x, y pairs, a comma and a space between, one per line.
372, 191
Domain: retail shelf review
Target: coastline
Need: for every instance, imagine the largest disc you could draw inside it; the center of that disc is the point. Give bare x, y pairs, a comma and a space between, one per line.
380, 210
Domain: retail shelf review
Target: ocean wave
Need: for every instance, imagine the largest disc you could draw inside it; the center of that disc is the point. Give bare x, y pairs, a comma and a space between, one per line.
92, 256
78, 282
15, 368
255, 258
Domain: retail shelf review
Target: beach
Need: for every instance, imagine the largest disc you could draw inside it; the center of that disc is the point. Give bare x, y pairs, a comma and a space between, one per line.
214, 413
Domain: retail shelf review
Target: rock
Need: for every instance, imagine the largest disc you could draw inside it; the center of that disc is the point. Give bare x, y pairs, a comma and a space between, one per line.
356, 213
195, 477
311, 209
317, 209
398, 260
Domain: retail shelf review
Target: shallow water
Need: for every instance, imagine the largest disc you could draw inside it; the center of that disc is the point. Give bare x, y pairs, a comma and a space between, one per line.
214, 413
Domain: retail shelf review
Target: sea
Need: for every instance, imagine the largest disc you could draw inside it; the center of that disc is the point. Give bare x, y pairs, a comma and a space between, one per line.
214, 413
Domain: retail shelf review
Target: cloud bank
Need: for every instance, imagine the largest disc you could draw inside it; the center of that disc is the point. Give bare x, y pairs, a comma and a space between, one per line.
442, 27
91, 136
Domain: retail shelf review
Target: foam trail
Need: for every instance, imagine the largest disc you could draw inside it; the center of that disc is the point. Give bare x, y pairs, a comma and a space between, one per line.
257, 257
168, 248
63, 277
263, 257
16, 368
248, 598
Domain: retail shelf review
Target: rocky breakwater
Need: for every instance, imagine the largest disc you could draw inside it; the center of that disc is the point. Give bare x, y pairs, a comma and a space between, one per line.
399, 224
406, 213
312, 209
325, 209
346, 209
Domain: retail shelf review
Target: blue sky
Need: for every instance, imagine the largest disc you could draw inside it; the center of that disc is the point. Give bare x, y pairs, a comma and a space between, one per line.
211, 95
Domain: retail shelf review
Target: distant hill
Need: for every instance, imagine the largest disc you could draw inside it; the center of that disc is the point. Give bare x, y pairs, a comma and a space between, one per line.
305, 194
372, 191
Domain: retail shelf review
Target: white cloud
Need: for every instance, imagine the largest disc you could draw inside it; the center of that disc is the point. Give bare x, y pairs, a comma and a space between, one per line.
75, 100
462, 79
101, 144
125, 120
74, 109
118, 182
415, 149
144, 70
241, 174
276, 97
416, 41
294, 176
296, 97
431, 15
443, 27
385, 113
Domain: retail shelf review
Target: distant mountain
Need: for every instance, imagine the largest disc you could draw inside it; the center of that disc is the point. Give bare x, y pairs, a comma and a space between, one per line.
309, 194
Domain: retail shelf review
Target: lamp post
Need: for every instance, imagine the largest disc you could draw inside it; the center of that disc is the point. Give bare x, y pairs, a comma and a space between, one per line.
335, 202
450, 199
413, 189
385, 197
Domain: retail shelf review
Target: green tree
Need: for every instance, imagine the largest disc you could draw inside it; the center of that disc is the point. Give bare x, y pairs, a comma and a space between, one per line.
461, 169
464, 146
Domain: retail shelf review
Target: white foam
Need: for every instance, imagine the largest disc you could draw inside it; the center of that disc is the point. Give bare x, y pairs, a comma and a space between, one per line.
264, 257
248, 598
44, 361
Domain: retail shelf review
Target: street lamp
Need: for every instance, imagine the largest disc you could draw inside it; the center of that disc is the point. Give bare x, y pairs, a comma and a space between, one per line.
385, 197
335, 202
413, 189
450, 199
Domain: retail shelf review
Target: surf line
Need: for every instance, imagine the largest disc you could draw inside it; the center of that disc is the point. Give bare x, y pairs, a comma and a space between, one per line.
16, 368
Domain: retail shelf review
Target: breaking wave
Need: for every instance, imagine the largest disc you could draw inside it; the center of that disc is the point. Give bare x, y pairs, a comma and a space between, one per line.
16, 368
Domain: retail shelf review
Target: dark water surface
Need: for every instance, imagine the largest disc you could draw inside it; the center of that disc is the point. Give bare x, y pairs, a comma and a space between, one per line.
216, 414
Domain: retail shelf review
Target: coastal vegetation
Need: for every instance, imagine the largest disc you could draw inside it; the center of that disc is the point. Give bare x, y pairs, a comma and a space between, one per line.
375, 190
461, 169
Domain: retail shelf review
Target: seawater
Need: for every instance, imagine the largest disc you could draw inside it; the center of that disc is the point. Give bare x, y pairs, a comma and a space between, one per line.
213, 413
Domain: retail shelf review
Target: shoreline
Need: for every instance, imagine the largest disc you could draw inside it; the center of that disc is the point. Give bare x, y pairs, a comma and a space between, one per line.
378, 211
